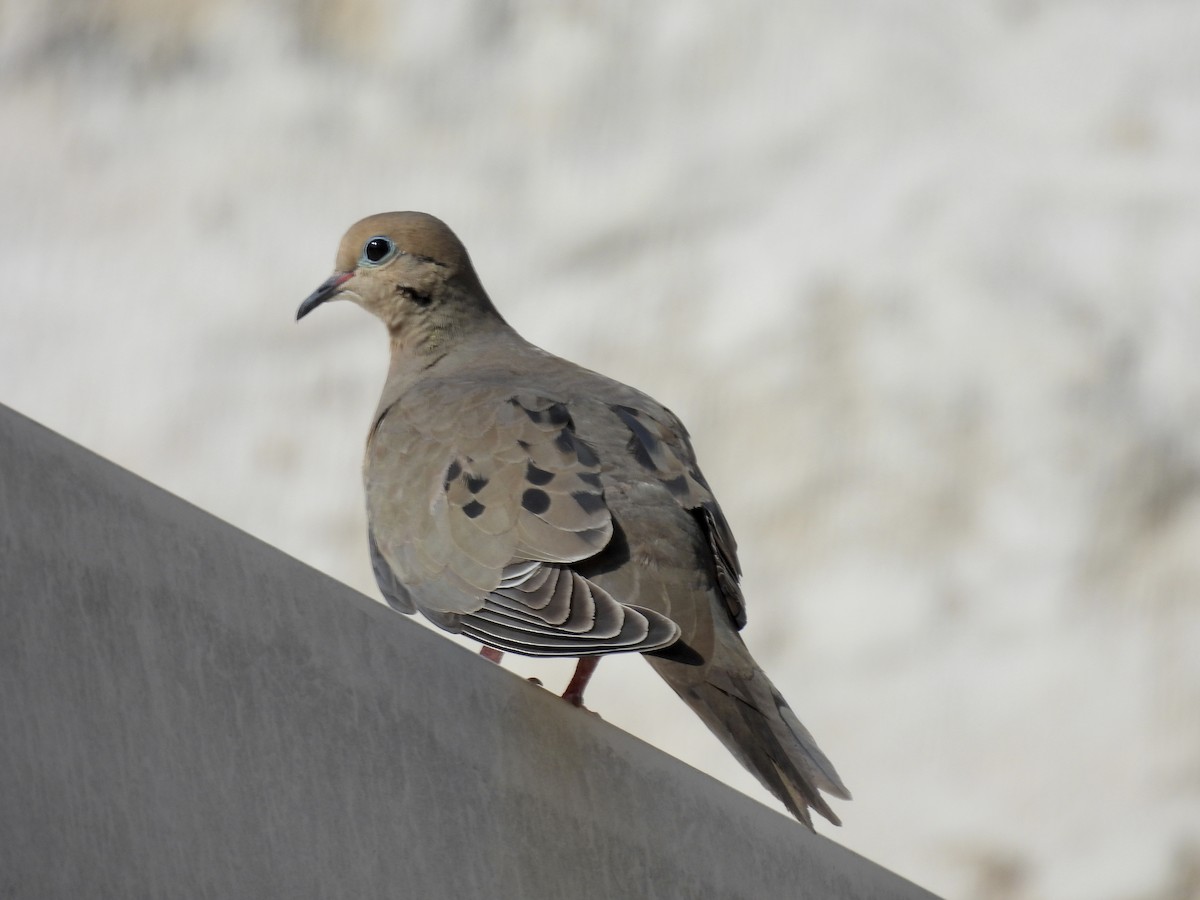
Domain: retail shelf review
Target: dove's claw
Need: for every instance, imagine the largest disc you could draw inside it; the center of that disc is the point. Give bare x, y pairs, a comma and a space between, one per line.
583, 673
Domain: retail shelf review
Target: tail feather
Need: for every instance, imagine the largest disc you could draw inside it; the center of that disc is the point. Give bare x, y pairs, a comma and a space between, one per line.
750, 717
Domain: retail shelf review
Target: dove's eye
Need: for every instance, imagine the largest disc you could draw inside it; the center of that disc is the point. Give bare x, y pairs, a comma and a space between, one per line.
377, 250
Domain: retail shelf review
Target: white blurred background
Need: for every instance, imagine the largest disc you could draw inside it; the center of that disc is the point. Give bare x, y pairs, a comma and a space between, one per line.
922, 278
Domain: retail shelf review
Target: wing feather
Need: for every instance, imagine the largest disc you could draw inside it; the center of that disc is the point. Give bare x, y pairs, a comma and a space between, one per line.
480, 517
661, 447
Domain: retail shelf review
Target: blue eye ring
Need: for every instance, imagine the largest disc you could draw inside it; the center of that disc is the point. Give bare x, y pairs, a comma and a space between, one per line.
377, 250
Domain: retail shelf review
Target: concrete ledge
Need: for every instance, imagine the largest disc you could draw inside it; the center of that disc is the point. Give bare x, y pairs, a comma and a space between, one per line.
187, 712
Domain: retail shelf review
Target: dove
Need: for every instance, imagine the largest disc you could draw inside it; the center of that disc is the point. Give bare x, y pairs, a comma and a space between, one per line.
543, 509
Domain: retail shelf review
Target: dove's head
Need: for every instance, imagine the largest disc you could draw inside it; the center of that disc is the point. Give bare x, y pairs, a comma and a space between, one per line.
412, 272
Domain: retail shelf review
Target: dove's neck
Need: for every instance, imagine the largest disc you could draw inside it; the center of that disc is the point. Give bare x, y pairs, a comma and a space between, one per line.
448, 344
419, 337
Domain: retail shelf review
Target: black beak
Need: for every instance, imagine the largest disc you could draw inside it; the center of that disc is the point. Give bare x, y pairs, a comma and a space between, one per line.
331, 286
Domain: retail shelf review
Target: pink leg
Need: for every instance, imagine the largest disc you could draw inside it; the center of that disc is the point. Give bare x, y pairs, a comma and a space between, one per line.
583, 674
491, 653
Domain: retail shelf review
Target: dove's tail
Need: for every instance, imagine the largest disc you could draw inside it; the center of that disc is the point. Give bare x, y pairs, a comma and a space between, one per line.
738, 703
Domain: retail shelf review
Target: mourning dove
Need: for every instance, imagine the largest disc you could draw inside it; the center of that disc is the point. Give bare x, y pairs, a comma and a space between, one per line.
541, 508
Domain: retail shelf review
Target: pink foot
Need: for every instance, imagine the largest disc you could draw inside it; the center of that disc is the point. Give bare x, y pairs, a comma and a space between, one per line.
491, 653
579, 681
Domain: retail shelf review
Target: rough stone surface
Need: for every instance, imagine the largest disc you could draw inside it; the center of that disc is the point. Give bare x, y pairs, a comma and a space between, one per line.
185, 711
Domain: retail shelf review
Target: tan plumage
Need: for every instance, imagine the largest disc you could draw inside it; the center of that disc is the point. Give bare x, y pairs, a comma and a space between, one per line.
544, 509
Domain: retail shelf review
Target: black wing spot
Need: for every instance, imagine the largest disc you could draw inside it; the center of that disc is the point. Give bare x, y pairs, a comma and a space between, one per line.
642, 443
643, 434
558, 415
565, 442
534, 475
451, 473
639, 453
588, 501
535, 415
474, 509
535, 500
476, 483
592, 478
678, 485
586, 455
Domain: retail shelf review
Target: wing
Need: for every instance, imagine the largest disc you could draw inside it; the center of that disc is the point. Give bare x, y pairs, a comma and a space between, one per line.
660, 446
478, 502
551, 610
393, 591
